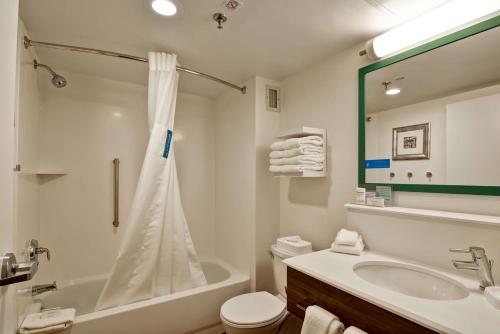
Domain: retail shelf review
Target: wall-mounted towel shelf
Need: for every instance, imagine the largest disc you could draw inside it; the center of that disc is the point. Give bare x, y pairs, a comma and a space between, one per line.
303, 132
435, 214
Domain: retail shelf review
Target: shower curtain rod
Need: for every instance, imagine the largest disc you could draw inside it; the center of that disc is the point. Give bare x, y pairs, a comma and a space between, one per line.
28, 42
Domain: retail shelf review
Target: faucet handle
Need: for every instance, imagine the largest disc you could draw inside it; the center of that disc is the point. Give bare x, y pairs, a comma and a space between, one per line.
41, 250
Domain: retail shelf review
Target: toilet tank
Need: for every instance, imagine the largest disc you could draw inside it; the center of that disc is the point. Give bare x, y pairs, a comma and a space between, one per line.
279, 268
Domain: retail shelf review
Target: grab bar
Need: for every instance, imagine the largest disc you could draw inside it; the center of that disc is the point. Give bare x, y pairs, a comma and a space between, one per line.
116, 191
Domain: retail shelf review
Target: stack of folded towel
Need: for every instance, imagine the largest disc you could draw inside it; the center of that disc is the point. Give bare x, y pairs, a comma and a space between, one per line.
49, 321
296, 155
348, 242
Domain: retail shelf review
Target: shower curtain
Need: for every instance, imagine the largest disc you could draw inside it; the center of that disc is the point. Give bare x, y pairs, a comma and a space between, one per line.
157, 255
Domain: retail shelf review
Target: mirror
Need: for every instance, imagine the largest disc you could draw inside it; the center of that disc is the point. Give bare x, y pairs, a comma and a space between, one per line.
431, 117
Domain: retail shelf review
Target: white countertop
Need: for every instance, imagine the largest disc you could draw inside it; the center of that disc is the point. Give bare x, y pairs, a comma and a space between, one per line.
471, 315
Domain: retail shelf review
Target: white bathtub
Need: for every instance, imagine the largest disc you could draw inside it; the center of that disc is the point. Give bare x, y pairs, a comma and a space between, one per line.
182, 312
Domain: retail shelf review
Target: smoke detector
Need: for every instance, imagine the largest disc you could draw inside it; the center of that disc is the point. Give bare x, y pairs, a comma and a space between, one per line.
232, 4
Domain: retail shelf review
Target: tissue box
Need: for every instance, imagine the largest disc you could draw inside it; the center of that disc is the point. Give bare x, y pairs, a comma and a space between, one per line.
294, 244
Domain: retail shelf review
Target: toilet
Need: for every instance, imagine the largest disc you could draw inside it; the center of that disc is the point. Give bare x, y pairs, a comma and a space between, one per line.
261, 312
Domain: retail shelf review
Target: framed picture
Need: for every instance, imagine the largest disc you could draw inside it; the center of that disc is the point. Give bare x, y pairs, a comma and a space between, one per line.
411, 142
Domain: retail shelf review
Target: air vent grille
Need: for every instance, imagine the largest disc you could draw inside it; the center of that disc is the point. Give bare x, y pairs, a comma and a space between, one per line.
272, 98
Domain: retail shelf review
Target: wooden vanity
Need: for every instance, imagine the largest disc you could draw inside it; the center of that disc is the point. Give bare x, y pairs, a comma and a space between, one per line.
304, 290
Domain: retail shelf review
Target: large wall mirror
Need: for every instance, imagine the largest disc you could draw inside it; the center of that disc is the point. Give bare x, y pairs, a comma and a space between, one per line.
429, 118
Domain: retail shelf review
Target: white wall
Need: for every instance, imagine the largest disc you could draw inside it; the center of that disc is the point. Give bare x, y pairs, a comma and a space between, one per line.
473, 137
8, 40
27, 185
247, 195
84, 127
235, 177
267, 125
325, 95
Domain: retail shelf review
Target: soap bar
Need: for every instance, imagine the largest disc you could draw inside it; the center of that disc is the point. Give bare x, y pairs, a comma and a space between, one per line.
375, 201
492, 295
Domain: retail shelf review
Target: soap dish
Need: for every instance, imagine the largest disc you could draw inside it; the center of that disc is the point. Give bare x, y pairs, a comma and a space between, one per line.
492, 294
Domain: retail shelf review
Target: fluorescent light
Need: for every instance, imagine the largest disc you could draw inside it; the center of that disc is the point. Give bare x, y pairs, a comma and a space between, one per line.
164, 7
447, 17
393, 91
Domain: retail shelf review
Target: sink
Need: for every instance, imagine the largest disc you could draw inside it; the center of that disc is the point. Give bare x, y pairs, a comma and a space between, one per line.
410, 280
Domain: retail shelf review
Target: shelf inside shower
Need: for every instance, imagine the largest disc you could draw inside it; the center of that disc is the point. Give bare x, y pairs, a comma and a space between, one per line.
43, 171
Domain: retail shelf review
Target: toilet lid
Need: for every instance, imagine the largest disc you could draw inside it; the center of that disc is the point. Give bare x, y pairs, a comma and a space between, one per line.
253, 308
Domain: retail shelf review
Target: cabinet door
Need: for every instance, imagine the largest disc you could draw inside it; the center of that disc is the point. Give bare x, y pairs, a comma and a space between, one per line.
304, 290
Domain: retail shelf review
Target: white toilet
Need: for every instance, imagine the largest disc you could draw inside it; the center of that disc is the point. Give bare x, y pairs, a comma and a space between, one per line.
259, 312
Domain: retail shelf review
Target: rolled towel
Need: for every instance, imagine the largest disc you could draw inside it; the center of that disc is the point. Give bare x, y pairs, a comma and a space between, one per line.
303, 150
357, 249
346, 237
297, 142
299, 160
320, 321
48, 321
294, 168
354, 330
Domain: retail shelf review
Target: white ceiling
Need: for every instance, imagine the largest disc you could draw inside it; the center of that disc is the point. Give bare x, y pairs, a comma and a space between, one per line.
468, 64
271, 38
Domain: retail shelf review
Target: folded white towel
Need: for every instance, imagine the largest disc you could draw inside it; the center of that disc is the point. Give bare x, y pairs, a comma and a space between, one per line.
357, 249
320, 321
354, 330
294, 168
304, 159
303, 150
346, 237
48, 321
296, 143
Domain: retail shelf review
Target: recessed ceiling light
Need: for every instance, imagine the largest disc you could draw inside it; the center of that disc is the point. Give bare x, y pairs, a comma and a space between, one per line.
164, 7
393, 91
390, 90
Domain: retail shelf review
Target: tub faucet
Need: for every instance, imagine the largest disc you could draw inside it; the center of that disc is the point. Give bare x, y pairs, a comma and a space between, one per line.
480, 263
38, 289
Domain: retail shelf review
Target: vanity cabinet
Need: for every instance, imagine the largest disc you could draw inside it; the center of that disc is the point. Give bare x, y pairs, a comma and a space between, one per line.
304, 290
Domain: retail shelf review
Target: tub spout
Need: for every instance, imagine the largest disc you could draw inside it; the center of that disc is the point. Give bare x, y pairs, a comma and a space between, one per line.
38, 289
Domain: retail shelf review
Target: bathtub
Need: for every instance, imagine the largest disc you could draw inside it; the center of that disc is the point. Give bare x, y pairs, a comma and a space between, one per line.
190, 311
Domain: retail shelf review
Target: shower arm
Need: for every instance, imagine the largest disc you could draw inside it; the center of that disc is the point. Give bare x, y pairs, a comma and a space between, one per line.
28, 42
36, 64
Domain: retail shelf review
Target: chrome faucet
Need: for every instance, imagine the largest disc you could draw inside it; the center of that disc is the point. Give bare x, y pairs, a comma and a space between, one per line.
38, 289
479, 263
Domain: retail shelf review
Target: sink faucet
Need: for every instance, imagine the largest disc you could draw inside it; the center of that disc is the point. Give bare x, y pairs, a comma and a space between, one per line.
479, 263
38, 289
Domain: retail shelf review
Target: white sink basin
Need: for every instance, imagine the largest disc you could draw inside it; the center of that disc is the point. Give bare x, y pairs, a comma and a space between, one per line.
410, 280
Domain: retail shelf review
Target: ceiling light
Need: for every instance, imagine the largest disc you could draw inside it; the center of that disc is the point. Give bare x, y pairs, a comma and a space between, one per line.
445, 18
391, 90
164, 7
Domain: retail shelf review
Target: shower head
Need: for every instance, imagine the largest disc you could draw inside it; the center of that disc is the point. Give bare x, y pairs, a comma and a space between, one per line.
57, 80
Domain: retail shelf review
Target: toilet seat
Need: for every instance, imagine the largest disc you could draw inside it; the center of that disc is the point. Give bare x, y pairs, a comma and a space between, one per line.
250, 310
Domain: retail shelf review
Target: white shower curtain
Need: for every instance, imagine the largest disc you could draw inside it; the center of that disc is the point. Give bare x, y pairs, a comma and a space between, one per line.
157, 255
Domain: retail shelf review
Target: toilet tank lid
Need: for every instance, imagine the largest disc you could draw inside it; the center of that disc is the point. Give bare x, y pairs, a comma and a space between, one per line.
253, 309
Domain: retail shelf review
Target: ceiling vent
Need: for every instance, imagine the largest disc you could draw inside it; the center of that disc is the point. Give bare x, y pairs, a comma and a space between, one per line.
272, 98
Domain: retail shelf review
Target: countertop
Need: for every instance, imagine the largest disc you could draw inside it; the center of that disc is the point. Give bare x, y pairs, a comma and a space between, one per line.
471, 315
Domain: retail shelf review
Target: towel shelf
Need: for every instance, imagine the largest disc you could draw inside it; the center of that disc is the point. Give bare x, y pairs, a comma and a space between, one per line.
303, 132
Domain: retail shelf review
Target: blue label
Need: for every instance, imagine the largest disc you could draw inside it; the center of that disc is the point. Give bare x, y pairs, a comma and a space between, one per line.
380, 163
168, 142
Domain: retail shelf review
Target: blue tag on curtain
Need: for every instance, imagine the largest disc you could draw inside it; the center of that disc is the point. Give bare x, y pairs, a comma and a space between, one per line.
168, 143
